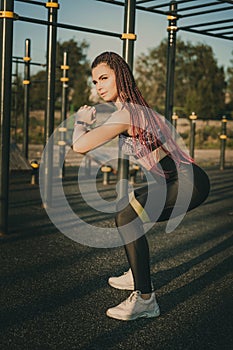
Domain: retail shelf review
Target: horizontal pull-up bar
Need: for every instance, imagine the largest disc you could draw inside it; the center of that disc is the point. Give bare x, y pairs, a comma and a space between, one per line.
206, 24
188, 29
21, 60
168, 3
206, 12
218, 29
68, 26
199, 6
33, 2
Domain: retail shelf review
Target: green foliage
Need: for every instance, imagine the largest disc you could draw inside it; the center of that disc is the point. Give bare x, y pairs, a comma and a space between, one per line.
38, 91
208, 137
79, 72
199, 82
150, 76
229, 111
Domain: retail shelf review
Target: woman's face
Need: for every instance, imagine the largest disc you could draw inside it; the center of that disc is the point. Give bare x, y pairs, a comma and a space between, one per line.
104, 79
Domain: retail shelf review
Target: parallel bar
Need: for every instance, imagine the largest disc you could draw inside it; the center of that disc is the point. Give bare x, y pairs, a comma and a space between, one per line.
6, 32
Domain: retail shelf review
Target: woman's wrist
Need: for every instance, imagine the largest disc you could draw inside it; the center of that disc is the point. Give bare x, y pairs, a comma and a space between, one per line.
80, 122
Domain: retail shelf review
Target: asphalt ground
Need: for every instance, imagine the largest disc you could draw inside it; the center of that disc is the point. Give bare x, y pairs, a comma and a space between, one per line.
54, 291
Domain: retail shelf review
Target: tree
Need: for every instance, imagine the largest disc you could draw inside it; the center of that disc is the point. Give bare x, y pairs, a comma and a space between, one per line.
199, 82
17, 106
230, 89
78, 73
150, 73
38, 90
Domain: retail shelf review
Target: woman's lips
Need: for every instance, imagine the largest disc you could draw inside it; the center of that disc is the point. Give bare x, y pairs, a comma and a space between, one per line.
103, 93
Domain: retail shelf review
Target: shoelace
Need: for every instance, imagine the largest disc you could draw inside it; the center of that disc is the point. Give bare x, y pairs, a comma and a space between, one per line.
133, 296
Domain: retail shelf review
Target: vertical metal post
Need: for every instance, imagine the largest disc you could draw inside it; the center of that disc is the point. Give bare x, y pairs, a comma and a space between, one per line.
171, 55
174, 124
52, 6
223, 138
129, 28
15, 101
6, 32
63, 129
26, 83
128, 53
192, 118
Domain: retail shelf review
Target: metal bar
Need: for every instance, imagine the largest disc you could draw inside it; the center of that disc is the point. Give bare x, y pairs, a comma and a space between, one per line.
143, 1
64, 100
32, 2
152, 9
6, 32
223, 139
129, 27
31, 63
192, 118
128, 54
138, 7
205, 33
15, 93
228, 1
199, 6
69, 26
168, 4
26, 84
226, 33
49, 112
206, 24
171, 55
207, 12
218, 29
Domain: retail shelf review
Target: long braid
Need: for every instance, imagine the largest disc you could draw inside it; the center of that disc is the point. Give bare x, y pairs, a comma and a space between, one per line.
146, 124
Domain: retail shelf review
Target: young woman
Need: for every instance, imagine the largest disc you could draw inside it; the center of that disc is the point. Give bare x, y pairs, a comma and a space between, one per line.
144, 135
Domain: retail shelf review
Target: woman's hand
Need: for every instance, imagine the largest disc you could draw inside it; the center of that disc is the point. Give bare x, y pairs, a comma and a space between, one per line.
86, 114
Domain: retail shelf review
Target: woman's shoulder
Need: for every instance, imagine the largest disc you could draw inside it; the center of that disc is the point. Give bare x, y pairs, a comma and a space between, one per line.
120, 116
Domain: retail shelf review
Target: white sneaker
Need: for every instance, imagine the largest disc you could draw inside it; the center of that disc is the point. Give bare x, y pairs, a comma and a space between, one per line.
124, 281
135, 307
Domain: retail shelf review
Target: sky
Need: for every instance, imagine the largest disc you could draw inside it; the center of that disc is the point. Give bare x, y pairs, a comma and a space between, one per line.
150, 29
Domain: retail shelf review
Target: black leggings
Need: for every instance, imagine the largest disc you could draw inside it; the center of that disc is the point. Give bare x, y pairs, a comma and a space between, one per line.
129, 221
